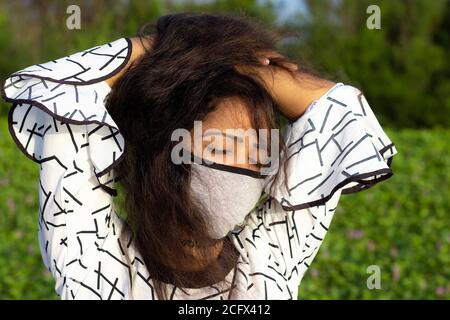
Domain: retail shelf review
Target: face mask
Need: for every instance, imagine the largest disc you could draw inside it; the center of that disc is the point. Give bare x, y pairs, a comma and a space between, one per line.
227, 194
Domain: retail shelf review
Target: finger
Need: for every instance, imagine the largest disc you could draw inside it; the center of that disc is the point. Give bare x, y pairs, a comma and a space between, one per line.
266, 56
264, 61
291, 66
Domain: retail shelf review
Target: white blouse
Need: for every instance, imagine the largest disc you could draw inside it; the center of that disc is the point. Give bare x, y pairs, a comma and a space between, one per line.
59, 120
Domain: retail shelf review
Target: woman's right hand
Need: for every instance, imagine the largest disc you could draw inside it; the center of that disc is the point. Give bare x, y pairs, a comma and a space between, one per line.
137, 50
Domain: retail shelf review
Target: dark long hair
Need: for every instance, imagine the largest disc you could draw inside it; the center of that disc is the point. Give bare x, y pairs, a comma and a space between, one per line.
184, 76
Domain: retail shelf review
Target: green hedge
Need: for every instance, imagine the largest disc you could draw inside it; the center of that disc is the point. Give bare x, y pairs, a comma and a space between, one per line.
399, 225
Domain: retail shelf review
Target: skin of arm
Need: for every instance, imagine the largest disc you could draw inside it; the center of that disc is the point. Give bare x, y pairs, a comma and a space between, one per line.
294, 95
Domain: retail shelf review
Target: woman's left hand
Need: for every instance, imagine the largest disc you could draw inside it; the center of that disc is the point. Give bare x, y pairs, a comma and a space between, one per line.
291, 90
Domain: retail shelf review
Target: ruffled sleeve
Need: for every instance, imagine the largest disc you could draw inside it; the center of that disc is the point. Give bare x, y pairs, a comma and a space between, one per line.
59, 120
71, 90
336, 147
337, 144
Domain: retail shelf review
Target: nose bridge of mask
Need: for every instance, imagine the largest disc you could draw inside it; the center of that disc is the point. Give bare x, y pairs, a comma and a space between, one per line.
227, 196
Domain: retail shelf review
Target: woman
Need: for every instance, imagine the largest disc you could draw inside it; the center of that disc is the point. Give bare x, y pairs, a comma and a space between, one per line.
196, 230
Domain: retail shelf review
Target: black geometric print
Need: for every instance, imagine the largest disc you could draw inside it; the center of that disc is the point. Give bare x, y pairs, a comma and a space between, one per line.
348, 150
59, 120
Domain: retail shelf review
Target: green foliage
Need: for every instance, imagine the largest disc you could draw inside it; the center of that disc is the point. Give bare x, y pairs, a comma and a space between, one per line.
22, 272
403, 68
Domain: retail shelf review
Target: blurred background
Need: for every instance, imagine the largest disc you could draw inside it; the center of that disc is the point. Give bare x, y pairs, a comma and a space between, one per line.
401, 225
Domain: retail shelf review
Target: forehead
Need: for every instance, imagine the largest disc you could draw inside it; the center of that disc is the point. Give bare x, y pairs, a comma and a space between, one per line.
231, 113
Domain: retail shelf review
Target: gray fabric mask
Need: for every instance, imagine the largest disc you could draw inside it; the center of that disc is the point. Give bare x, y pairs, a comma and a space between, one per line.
228, 194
